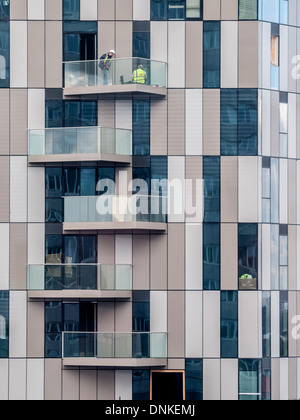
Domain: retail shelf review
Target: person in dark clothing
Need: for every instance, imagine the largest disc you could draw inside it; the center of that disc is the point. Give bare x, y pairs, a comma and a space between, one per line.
105, 63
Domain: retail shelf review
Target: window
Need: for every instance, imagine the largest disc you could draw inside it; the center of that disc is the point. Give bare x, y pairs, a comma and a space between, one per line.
211, 178
229, 324
239, 122
140, 385
248, 256
283, 116
4, 9
249, 380
211, 256
266, 190
194, 379
141, 127
275, 56
254, 380
211, 54
71, 9
283, 258
68, 317
276, 11
71, 114
248, 9
4, 54
140, 323
61, 182
284, 324
266, 324
176, 9
141, 45
4, 324
80, 40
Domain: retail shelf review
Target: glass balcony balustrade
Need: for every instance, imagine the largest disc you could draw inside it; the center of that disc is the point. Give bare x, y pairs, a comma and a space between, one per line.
116, 209
73, 143
135, 345
67, 277
120, 75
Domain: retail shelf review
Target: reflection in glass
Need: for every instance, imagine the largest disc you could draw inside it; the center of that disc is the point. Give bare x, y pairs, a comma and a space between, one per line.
212, 189
266, 323
194, 379
211, 256
284, 324
4, 324
4, 54
249, 380
248, 251
248, 9
140, 385
211, 54
229, 324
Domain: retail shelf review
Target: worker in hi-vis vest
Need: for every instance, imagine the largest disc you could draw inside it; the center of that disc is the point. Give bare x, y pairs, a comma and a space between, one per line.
105, 63
139, 75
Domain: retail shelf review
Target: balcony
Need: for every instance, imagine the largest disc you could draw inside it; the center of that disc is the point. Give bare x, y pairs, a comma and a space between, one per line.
55, 145
86, 78
139, 350
115, 213
79, 281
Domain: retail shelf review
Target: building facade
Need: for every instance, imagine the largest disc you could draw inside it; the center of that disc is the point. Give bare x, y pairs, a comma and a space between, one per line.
100, 303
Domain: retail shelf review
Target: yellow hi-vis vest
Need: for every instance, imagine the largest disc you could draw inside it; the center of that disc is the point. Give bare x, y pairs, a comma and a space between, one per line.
139, 76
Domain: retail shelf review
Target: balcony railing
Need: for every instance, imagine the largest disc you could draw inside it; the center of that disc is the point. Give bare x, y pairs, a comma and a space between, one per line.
98, 277
88, 74
83, 141
115, 345
116, 209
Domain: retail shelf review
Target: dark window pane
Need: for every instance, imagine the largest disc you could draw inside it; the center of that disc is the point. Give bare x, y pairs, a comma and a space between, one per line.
4, 324
54, 249
284, 324
159, 175
88, 116
54, 114
71, 181
71, 317
88, 251
229, 324
88, 182
266, 324
229, 122
159, 9
248, 122
141, 311
72, 114
140, 385
107, 176
141, 177
211, 54
211, 177
4, 54
141, 45
194, 379
54, 183
54, 210
53, 329
248, 251
141, 127
211, 256
71, 9
176, 10
71, 249
72, 47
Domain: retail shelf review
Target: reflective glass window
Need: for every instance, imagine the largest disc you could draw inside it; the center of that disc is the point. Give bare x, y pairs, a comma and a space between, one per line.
194, 9
140, 385
4, 324
266, 324
211, 54
4, 54
141, 127
229, 324
176, 9
53, 329
194, 379
159, 175
141, 45
229, 122
71, 9
4, 9
159, 9
284, 324
269, 10
211, 256
248, 122
284, 12
141, 311
248, 251
249, 380
211, 177
248, 9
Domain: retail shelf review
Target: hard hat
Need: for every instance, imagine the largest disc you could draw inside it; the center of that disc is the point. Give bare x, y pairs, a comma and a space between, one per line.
140, 66
113, 52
